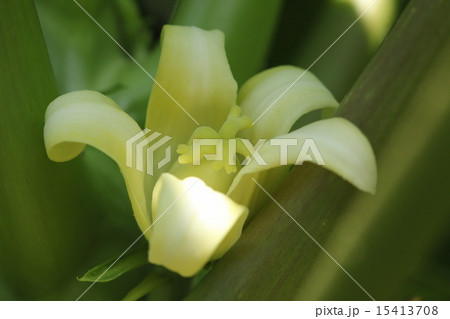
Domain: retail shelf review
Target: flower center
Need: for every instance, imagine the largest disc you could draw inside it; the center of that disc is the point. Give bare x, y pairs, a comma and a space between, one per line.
223, 145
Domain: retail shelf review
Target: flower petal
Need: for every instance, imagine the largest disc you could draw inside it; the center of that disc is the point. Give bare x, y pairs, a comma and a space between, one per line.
194, 70
218, 180
342, 146
87, 117
269, 99
193, 224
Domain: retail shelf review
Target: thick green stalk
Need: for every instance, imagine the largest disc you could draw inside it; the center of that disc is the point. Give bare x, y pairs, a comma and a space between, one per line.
398, 229
248, 25
382, 240
42, 234
402, 87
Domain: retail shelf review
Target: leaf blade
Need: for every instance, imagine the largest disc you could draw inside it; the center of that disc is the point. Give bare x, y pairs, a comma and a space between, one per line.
116, 267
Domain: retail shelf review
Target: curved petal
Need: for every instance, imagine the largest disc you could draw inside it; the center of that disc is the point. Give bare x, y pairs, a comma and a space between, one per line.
194, 71
274, 104
193, 224
335, 143
87, 117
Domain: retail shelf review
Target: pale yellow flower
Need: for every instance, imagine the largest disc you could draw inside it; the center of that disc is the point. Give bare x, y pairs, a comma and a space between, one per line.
197, 212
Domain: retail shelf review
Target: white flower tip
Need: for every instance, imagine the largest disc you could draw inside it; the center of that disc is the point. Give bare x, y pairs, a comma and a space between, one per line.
193, 224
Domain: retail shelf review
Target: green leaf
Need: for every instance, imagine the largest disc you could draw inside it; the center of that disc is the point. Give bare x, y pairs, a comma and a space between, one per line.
85, 57
115, 267
43, 235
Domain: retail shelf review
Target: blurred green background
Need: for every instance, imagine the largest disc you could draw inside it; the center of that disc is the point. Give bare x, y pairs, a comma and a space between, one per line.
59, 220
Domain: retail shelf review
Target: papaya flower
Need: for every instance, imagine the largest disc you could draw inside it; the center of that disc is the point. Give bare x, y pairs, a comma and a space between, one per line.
192, 213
